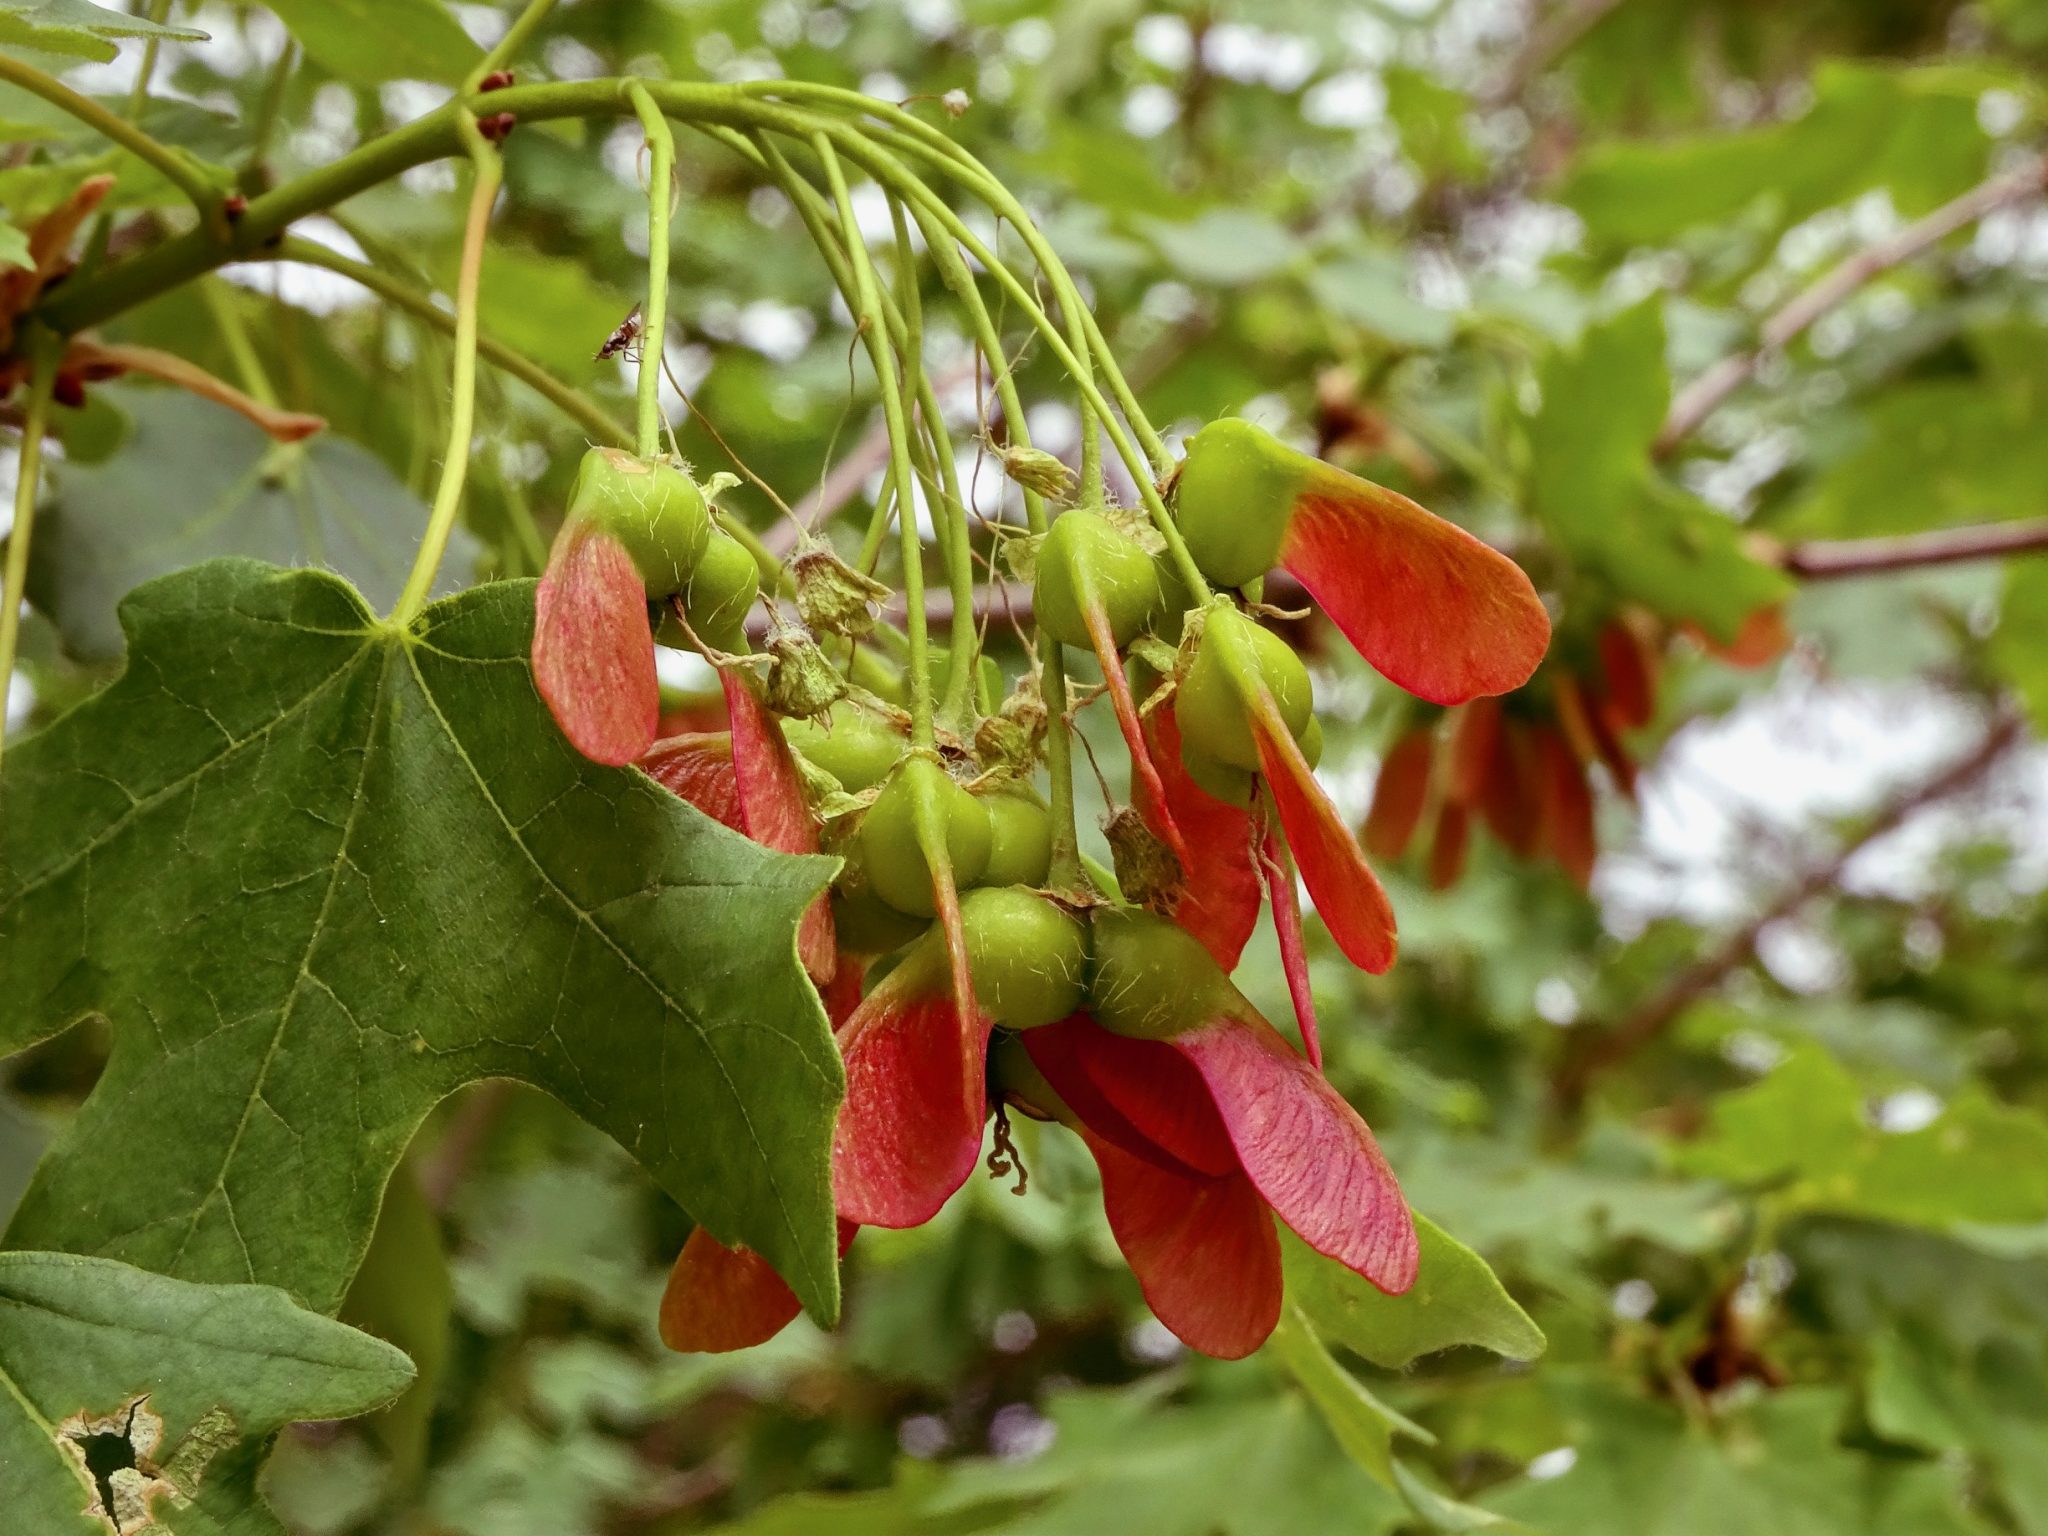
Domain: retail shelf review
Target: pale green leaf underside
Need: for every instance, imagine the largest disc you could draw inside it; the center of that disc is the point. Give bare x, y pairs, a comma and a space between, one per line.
79, 28
193, 482
82, 1339
369, 41
319, 874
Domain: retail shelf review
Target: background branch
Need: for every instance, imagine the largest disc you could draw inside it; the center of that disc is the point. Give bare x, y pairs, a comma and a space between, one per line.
1825, 559
1544, 45
1703, 396
1595, 1052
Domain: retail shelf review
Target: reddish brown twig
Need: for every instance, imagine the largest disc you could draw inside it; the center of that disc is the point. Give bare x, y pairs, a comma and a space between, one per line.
1827, 559
1809, 560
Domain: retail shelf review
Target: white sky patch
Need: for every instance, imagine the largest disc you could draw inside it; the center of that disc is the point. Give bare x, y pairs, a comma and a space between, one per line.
1908, 1110
1032, 40
404, 100
884, 86
1165, 41
1149, 110
1729, 810
1800, 958
1557, 1001
568, 59
485, 24
777, 331
1255, 56
684, 671
1634, 1299
313, 289
1019, 1432
1055, 426
1348, 100
21, 699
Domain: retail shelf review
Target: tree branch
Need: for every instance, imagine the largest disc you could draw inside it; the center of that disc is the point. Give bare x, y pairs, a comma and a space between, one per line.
572, 402
1544, 45
1809, 560
164, 160
1596, 1052
1699, 399
1828, 559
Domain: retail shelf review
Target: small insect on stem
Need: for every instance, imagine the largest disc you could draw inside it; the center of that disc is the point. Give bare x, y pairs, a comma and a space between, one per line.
625, 338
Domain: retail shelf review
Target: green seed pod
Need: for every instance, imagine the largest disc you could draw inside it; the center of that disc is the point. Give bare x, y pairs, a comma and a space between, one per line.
864, 924
1213, 705
1028, 956
1233, 498
1311, 740
988, 680
653, 509
832, 597
890, 852
721, 591
802, 681
1014, 1078
1150, 978
1020, 837
1087, 557
856, 742
1219, 781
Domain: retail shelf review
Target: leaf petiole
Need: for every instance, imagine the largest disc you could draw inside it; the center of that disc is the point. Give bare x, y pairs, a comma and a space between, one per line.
44, 350
490, 173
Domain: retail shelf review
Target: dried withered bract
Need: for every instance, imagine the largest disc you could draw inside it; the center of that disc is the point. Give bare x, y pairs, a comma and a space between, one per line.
801, 679
832, 597
1037, 470
1011, 738
1146, 868
1020, 554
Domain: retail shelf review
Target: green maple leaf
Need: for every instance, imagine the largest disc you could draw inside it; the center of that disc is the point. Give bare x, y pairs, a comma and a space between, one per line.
132, 1401
1456, 1299
193, 482
79, 28
318, 873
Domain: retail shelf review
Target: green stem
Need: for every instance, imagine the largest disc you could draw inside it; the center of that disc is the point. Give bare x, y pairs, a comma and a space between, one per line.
774, 574
532, 547
1067, 869
227, 319
508, 46
44, 350
571, 402
138, 95
949, 510
462, 412
734, 106
661, 168
166, 161
874, 331
268, 107
885, 168
933, 144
